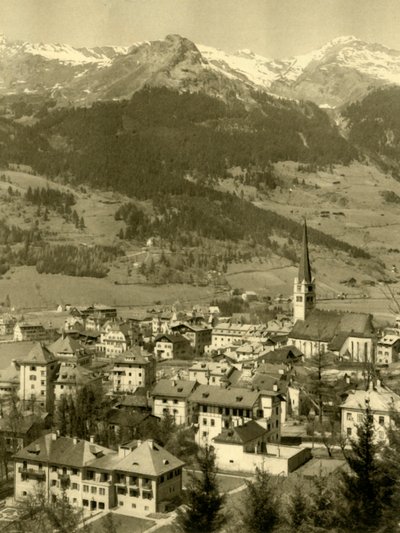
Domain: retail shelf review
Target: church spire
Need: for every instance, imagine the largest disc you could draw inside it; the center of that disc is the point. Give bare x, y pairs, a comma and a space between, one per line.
304, 266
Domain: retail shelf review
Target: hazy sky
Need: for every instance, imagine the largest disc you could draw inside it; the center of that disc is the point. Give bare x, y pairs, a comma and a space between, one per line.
274, 28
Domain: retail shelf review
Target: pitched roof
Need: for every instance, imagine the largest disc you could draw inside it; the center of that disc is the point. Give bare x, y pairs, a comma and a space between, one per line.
241, 434
325, 325
147, 459
304, 266
65, 345
235, 397
174, 338
178, 388
280, 355
63, 450
76, 375
39, 354
379, 398
133, 356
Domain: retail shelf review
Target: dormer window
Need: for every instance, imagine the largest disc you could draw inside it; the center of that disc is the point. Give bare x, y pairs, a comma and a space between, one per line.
206, 394
239, 398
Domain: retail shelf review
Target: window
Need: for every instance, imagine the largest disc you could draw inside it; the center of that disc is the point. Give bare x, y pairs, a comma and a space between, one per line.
212, 422
101, 505
74, 471
85, 488
204, 421
85, 503
299, 298
102, 491
381, 420
204, 433
348, 431
359, 418
32, 378
33, 368
133, 505
54, 483
75, 486
349, 416
54, 469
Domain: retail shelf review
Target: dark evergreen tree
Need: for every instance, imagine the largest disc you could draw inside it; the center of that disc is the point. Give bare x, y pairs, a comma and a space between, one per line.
261, 504
367, 486
203, 510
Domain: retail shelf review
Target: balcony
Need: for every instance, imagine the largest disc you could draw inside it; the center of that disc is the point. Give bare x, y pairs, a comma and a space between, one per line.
30, 473
133, 483
147, 487
65, 480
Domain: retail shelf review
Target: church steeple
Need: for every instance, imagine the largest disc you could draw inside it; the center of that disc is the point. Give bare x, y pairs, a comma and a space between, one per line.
304, 297
304, 266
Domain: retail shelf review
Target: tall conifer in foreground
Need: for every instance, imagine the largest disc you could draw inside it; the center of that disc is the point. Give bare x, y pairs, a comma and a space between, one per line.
203, 510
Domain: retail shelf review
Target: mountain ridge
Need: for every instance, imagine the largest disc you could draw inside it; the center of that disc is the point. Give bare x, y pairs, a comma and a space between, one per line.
341, 71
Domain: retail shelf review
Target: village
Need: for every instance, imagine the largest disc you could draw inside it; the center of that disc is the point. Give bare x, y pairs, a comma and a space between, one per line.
284, 396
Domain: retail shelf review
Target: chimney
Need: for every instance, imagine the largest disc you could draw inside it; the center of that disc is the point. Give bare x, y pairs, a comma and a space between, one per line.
58, 433
54, 436
275, 387
75, 440
91, 438
347, 378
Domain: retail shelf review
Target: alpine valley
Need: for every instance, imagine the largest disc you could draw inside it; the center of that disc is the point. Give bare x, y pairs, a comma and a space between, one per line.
170, 162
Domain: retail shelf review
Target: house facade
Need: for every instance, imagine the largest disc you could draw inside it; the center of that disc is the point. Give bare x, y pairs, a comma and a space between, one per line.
172, 346
198, 336
220, 408
135, 368
387, 350
172, 396
29, 332
140, 478
381, 400
37, 373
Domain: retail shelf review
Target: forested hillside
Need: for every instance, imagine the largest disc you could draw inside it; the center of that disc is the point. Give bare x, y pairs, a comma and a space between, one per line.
374, 125
171, 148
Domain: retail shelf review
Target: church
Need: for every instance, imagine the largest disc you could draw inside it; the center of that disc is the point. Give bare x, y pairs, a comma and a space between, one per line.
350, 336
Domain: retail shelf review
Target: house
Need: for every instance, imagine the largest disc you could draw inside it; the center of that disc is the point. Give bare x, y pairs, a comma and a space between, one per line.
138, 479
37, 373
286, 354
117, 338
172, 396
226, 334
71, 379
211, 373
172, 346
219, 408
128, 425
381, 400
387, 350
19, 432
7, 324
198, 336
9, 379
135, 368
29, 332
69, 351
246, 447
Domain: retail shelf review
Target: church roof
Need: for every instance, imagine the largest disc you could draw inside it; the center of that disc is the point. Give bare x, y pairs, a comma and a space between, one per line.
326, 325
304, 266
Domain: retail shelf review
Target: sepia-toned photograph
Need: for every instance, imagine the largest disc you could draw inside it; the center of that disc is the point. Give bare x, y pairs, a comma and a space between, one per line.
199, 266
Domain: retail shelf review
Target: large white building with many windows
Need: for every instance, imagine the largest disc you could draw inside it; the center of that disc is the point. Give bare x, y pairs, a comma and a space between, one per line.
382, 402
140, 478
